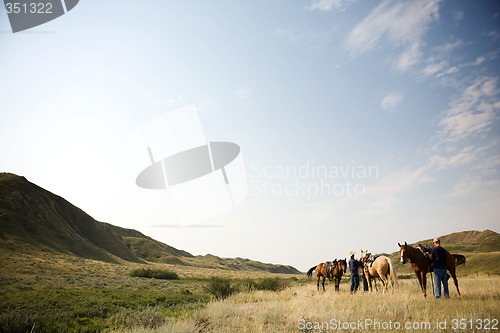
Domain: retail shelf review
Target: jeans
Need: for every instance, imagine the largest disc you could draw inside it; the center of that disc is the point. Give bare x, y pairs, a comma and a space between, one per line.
440, 276
365, 283
354, 281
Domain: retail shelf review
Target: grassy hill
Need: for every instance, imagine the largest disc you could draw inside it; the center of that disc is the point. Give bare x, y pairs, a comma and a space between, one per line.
34, 220
481, 249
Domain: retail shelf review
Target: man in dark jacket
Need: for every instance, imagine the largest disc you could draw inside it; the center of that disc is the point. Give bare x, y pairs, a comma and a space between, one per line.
353, 267
438, 255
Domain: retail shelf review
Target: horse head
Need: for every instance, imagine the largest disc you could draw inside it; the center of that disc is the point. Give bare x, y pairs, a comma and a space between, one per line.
342, 265
365, 256
403, 252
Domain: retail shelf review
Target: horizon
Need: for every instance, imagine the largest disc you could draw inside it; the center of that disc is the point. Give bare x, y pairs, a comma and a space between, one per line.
277, 263
359, 124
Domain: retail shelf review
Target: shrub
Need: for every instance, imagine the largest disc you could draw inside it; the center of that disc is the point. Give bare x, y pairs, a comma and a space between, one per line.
272, 284
154, 274
220, 287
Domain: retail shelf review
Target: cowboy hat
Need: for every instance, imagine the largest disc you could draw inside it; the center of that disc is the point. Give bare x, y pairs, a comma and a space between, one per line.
351, 253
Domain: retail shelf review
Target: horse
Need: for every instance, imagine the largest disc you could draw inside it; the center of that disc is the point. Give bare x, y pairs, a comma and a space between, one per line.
331, 270
420, 265
337, 272
379, 268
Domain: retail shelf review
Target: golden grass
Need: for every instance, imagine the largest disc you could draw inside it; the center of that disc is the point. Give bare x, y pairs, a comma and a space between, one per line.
285, 311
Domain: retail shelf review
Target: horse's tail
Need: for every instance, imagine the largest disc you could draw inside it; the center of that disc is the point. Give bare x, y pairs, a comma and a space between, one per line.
459, 259
393, 276
310, 272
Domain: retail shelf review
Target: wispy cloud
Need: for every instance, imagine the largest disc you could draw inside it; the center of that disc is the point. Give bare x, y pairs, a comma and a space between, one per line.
442, 62
326, 5
391, 101
464, 157
401, 23
472, 112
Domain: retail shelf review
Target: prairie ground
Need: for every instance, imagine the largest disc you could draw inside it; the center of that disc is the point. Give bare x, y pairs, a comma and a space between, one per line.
302, 308
47, 293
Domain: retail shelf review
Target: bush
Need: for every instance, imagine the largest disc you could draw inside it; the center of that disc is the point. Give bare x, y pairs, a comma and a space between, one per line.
272, 284
154, 274
220, 287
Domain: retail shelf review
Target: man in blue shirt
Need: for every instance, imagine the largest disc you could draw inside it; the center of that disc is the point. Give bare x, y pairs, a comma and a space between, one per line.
438, 255
353, 267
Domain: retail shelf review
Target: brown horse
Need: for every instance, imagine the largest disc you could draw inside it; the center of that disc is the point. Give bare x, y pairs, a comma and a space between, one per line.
338, 271
331, 270
420, 265
380, 268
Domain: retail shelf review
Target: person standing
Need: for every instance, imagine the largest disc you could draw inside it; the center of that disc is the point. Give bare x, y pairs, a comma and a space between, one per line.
353, 267
439, 255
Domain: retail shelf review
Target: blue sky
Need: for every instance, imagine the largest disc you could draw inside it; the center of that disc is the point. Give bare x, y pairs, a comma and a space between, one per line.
407, 88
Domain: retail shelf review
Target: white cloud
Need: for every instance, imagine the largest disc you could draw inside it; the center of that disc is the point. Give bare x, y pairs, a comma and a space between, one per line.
464, 157
479, 60
434, 68
402, 23
391, 101
326, 5
472, 112
438, 64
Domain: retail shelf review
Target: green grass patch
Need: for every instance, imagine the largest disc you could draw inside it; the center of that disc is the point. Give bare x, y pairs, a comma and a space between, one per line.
90, 310
154, 274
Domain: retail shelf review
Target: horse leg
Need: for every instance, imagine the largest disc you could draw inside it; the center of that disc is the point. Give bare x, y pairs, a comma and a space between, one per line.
424, 283
323, 283
383, 278
317, 281
420, 282
455, 281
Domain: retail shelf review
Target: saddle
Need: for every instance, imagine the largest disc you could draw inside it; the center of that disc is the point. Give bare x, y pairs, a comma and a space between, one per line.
330, 265
371, 258
424, 250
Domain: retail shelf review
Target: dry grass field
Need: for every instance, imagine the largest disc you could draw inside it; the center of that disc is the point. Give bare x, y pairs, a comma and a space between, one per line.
303, 309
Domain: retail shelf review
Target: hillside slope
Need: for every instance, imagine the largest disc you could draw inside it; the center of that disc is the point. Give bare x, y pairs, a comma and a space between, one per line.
31, 215
33, 219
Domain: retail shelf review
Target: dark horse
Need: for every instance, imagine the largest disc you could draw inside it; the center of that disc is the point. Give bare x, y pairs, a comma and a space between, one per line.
333, 270
420, 265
